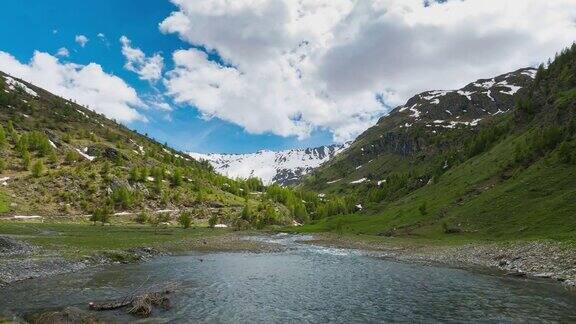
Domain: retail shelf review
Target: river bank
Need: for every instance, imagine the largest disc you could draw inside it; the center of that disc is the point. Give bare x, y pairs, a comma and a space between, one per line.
44, 250
538, 259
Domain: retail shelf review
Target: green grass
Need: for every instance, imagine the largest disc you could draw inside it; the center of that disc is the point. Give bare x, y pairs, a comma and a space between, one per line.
85, 238
538, 202
4, 203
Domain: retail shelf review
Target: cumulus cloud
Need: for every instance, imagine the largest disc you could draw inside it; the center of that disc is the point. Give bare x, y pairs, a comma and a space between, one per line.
147, 68
86, 84
289, 67
81, 40
63, 52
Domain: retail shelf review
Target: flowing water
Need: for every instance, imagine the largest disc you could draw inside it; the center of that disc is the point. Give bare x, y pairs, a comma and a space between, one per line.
305, 283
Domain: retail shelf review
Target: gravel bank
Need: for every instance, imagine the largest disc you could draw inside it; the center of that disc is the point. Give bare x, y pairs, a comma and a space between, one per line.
21, 261
552, 260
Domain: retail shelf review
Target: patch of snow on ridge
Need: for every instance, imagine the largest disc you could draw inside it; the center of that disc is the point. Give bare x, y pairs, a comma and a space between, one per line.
86, 156
359, 181
513, 88
531, 73
271, 165
466, 94
12, 84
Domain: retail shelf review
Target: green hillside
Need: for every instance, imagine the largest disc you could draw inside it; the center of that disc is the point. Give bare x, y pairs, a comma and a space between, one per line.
513, 177
59, 159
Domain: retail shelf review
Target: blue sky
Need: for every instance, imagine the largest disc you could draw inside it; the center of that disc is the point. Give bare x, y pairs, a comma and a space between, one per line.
241, 76
26, 26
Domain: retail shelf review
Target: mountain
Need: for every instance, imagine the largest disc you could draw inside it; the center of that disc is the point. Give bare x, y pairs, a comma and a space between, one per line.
282, 167
493, 160
428, 123
60, 159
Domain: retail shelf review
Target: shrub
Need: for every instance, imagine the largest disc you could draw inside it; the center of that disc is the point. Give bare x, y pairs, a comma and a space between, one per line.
142, 218
122, 197
37, 169
185, 219
70, 157
2, 137
246, 213
566, 153
102, 215
26, 160
176, 179
422, 209
212, 221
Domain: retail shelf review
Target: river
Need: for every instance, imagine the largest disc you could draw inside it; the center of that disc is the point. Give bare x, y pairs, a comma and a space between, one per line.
305, 283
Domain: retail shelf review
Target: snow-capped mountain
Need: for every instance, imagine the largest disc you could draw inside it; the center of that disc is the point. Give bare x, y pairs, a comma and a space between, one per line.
282, 167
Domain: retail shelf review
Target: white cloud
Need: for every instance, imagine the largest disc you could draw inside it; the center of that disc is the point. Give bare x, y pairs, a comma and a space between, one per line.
293, 66
103, 38
147, 68
63, 52
81, 40
86, 84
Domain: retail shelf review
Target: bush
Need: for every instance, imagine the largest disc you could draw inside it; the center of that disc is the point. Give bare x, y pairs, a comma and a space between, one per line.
566, 153
122, 197
70, 157
37, 169
422, 209
185, 219
26, 160
212, 221
246, 213
2, 137
142, 218
176, 179
102, 215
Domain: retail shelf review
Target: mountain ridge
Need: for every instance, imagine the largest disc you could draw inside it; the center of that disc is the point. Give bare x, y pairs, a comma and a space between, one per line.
285, 167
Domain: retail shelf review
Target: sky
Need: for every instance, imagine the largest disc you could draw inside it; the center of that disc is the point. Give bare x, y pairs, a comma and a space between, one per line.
240, 76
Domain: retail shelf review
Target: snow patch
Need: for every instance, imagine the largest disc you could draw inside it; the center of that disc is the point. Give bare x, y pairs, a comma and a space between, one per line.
12, 84
86, 156
359, 181
466, 94
531, 73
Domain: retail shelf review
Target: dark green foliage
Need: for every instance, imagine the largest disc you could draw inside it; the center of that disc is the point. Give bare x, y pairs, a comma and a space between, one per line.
37, 169
567, 152
423, 210
185, 219
122, 197
176, 178
25, 160
102, 215
213, 220
246, 213
71, 157
3, 139
142, 218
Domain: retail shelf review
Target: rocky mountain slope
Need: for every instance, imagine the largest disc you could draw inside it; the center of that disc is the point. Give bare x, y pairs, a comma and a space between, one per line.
281, 167
427, 123
58, 158
493, 160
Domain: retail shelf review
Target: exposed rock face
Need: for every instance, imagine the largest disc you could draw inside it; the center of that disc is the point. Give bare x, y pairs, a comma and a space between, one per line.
282, 167
467, 106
